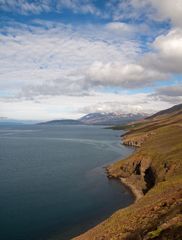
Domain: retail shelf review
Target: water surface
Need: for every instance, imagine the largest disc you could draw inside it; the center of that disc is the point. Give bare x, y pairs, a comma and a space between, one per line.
52, 180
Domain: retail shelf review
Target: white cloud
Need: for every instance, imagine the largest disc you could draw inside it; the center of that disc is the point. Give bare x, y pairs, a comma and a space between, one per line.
168, 53
171, 94
78, 6
25, 7
170, 44
63, 60
124, 75
120, 27
47, 66
118, 10
167, 9
155, 10
170, 91
57, 58
58, 107
36, 7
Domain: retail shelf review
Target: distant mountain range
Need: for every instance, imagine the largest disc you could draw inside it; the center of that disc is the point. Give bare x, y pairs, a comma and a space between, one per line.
62, 122
110, 118
99, 119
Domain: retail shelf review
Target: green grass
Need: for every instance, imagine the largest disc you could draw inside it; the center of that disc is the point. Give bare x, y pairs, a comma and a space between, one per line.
155, 233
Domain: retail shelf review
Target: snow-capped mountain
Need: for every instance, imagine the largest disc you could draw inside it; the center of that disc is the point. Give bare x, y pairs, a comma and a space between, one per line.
100, 118
112, 118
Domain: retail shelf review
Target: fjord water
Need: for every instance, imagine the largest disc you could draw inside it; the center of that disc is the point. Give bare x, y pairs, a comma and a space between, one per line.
52, 180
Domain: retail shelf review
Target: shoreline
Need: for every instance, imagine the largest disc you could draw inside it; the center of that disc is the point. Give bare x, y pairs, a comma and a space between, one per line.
155, 168
136, 193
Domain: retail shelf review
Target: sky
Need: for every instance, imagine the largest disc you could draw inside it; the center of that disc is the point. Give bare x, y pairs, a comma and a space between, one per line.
65, 58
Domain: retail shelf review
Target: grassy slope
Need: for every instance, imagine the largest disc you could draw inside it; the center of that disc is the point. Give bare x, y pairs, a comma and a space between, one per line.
157, 215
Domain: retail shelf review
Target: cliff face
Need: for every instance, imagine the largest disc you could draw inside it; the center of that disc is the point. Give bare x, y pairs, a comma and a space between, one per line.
154, 171
154, 216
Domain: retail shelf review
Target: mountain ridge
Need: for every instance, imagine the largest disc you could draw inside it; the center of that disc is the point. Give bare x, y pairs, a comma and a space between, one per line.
173, 110
99, 118
110, 118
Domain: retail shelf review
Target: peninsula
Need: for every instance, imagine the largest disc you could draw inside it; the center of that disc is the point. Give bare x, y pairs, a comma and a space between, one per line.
154, 174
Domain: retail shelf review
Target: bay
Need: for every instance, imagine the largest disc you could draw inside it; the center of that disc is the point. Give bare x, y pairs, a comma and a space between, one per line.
53, 183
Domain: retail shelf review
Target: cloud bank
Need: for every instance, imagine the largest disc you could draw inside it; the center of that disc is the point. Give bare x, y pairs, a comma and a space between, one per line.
132, 51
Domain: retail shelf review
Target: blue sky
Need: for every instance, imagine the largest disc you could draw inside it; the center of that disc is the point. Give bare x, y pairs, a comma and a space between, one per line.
63, 59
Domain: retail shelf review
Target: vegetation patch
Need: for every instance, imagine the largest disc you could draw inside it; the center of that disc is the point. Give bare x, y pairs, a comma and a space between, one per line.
154, 234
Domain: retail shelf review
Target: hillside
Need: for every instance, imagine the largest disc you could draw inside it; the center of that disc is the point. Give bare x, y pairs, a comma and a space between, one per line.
177, 109
154, 172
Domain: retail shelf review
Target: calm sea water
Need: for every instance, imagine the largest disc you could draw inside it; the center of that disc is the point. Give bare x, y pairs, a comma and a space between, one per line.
52, 180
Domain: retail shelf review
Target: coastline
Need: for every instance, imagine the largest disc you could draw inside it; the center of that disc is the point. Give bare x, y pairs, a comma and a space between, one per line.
137, 194
153, 174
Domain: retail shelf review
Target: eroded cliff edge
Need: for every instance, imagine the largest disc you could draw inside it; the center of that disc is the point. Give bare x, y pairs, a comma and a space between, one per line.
155, 171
